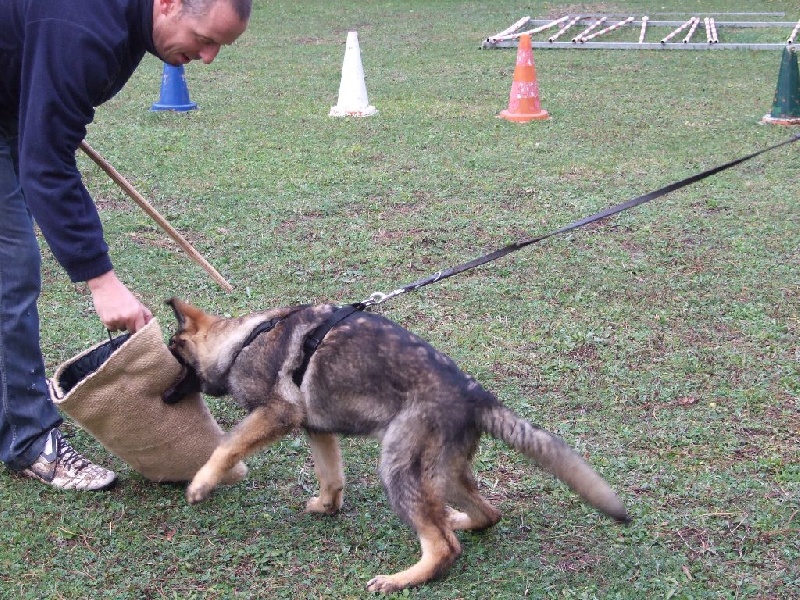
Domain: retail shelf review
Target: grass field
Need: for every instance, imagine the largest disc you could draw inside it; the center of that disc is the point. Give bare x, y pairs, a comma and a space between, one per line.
661, 343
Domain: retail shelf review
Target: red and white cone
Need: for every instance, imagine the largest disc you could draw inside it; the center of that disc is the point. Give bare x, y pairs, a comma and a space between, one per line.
523, 101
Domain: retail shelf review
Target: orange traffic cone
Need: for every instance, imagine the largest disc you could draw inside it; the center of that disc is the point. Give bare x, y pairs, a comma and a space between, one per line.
523, 102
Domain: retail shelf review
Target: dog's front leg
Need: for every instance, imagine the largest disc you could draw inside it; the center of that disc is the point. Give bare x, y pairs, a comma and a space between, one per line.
261, 427
328, 466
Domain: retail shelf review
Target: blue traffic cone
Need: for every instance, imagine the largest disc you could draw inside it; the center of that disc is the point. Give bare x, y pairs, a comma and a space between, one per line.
174, 93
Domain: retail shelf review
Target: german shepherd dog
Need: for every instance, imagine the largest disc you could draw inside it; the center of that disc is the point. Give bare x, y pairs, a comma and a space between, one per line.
368, 377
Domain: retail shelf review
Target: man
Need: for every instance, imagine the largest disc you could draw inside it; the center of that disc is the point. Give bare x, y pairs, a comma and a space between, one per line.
59, 59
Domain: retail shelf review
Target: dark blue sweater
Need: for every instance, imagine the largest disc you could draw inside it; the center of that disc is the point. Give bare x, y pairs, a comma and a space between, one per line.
59, 59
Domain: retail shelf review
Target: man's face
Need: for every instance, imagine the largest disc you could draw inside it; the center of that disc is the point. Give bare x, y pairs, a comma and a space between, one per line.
180, 37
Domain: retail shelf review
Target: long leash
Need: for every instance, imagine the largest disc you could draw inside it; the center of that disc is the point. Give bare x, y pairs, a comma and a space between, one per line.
315, 338
378, 297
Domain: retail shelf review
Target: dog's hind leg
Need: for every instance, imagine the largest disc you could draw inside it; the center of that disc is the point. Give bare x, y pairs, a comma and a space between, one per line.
264, 425
415, 495
462, 491
440, 549
328, 467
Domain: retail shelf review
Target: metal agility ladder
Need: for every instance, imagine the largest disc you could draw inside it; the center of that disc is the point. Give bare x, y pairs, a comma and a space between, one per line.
589, 28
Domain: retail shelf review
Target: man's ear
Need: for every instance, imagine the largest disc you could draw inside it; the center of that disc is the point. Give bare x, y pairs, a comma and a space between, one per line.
168, 7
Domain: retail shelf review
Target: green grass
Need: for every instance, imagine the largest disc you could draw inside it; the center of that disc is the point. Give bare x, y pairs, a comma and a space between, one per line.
662, 343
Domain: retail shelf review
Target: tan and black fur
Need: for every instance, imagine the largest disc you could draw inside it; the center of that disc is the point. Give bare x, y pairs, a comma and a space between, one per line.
369, 377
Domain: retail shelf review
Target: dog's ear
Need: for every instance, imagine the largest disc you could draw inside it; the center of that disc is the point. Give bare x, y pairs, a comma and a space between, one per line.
177, 308
190, 318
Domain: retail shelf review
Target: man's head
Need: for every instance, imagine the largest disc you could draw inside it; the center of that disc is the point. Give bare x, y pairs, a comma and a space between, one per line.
186, 30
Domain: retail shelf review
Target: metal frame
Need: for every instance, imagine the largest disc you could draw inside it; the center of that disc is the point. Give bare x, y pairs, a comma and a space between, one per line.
635, 45
509, 37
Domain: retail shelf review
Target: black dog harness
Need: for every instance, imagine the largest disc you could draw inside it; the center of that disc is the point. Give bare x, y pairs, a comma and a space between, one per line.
262, 328
259, 329
313, 339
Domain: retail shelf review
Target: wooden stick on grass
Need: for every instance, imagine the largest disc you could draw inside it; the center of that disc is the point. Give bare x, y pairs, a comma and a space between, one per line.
154, 214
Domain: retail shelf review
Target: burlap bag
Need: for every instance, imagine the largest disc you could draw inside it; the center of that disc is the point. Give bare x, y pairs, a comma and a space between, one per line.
119, 403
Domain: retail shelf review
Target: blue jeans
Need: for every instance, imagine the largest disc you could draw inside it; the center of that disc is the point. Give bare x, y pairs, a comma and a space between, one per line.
26, 412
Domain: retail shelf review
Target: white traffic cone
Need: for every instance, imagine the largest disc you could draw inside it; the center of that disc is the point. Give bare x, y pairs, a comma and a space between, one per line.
353, 100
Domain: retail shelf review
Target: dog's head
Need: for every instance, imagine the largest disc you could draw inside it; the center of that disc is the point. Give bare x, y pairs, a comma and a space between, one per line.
207, 345
186, 345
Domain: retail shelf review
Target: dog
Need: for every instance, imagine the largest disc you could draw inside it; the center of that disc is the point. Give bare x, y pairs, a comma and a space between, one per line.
364, 375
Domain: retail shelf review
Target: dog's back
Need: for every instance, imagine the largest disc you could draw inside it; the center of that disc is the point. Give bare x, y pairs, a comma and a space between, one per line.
369, 370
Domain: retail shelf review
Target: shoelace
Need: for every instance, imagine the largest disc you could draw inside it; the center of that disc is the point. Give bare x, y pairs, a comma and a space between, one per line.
69, 457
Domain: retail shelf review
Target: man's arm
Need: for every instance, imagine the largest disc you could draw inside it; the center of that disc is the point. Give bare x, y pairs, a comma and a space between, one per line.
63, 73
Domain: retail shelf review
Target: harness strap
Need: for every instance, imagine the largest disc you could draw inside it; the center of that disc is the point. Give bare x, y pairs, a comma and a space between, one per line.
314, 339
259, 329
262, 328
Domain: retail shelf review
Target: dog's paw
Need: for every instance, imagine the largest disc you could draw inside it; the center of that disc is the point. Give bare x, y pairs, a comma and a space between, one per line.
197, 492
457, 519
384, 584
235, 474
317, 505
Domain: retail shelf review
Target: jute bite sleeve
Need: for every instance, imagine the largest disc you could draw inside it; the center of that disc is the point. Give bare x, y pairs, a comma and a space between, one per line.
113, 391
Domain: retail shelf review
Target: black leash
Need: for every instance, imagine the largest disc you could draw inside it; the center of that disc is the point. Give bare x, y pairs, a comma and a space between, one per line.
315, 338
378, 297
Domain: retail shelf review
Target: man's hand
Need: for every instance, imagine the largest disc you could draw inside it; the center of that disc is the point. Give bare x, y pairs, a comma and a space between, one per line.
116, 306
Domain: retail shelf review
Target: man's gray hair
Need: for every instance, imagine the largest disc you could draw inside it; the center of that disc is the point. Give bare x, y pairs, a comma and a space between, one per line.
198, 8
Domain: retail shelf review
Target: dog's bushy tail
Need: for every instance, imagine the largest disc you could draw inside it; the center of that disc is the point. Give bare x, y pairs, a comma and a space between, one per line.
554, 456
